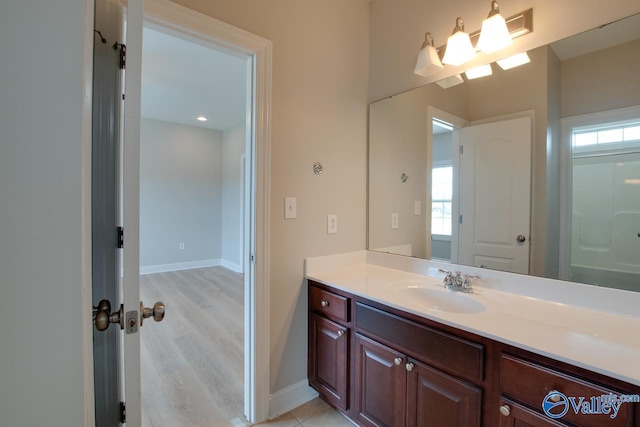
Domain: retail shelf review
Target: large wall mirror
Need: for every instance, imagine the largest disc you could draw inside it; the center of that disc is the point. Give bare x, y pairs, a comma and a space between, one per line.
534, 170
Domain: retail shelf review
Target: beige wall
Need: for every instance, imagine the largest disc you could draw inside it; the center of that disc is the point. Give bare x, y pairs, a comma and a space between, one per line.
602, 80
319, 114
397, 30
398, 144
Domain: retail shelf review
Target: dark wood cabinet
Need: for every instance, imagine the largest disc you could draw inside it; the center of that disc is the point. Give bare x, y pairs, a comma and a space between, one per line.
435, 399
385, 367
380, 384
329, 361
514, 415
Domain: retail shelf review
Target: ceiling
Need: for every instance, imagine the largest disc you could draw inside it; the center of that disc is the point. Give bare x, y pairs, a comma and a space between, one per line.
182, 80
602, 37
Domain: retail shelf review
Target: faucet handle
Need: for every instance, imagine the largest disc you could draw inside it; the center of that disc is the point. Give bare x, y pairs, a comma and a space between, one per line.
448, 278
466, 284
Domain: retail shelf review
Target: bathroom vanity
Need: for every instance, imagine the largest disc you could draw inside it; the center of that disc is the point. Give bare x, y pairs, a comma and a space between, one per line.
389, 346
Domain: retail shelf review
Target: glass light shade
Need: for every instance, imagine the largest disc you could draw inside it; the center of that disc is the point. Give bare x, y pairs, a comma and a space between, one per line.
450, 81
459, 49
428, 61
514, 61
494, 34
477, 72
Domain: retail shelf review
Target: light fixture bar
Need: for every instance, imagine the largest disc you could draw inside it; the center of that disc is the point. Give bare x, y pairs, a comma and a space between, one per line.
518, 25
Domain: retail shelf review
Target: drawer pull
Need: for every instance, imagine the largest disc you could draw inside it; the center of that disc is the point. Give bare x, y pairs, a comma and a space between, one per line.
397, 361
555, 396
505, 410
340, 332
409, 367
324, 303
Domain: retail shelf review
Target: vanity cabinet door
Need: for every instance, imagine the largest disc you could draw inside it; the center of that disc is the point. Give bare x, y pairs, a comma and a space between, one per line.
380, 384
329, 359
435, 399
514, 415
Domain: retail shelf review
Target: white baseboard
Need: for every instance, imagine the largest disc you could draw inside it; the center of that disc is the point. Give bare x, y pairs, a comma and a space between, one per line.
231, 266
161, 268
289, 398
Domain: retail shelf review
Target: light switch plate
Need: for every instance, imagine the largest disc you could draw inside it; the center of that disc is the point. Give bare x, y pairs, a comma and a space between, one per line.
394, 221
332, 224
417, 207
290, 208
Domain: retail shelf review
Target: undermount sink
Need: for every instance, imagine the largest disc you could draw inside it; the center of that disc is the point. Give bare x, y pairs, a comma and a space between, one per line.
441, 300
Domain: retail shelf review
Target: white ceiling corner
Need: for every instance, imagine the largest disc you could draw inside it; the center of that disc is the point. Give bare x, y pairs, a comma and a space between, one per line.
181, 80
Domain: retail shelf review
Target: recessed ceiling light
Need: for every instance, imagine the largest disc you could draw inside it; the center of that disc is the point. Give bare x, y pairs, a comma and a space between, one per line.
201, 119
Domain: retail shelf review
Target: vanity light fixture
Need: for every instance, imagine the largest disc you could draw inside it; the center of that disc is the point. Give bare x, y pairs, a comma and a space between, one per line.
477, 72
459, 49
201, 118
450, 81
428, 59
494, 34
514, 61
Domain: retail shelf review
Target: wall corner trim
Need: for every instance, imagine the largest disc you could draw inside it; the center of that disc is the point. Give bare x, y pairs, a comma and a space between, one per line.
283, 401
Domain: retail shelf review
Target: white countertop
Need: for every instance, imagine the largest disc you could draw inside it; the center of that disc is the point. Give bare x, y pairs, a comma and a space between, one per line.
533, 314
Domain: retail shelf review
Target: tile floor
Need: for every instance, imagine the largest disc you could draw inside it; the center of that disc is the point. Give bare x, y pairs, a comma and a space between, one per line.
312, 414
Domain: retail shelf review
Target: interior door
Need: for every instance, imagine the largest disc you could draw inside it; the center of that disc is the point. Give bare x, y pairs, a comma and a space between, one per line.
105, 165
495, 195
115, 157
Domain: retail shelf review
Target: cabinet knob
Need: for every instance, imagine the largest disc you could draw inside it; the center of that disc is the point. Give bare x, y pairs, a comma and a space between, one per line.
340, 332
409, 366
324, 303
397, 361
555, 396
505, 410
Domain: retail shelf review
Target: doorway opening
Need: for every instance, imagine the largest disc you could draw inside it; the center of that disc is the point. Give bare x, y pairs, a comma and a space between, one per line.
441, 190
443, 198
603, 243
196, 133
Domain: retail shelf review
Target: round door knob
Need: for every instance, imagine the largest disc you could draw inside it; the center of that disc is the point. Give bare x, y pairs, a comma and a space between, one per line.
397, 361
521, 238
157, 311
325, 303
505, 410
409, 366
340, 333
103, 317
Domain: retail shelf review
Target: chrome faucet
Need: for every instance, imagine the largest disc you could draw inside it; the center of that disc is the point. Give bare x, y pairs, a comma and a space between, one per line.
457, 282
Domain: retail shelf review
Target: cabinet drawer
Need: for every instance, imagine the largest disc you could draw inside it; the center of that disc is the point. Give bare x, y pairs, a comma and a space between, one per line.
329, 304
530, 383
444, 351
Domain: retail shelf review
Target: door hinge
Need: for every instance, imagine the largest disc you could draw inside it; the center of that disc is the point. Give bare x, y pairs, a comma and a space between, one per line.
123, 54
462, 149
460, 219
120, 237
253, 258
123, 412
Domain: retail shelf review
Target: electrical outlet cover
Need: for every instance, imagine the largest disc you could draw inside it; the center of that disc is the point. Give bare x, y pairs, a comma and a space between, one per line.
332, 224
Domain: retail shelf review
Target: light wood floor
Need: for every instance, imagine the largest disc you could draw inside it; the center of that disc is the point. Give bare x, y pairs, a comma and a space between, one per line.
192, 361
